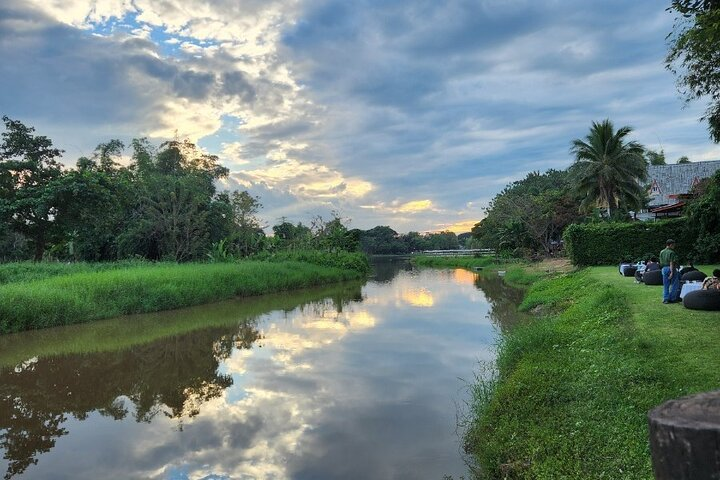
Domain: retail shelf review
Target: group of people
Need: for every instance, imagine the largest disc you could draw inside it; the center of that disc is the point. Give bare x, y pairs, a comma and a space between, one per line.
671, 275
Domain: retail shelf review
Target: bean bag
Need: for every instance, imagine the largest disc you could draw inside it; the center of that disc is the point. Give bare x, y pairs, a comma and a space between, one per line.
694, 276
702, 300
653, 278
627, 270
685, 270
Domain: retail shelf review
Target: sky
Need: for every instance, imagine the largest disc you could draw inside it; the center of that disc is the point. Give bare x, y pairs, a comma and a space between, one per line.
407, 113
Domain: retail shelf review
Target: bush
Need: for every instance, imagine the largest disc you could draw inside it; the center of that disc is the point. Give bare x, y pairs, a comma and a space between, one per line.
610, 243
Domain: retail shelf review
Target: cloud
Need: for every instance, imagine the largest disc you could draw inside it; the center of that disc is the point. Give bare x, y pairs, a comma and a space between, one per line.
327, 104
415, 206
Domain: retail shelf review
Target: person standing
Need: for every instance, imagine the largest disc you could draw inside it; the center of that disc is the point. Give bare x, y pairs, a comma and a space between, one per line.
670, 274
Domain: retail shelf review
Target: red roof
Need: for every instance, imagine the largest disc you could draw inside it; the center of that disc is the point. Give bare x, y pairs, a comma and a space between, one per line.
668, 208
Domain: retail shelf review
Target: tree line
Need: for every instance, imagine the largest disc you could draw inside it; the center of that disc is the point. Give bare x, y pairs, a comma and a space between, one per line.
160, 204
606, 182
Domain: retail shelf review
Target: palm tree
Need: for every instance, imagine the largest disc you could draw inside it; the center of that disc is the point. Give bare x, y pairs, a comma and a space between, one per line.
609, 170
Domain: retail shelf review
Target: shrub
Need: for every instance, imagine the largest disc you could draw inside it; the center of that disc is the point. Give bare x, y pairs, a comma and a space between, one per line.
610, 243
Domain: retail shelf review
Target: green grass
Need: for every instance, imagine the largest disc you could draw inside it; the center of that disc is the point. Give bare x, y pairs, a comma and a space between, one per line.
92, 295
572, 389
30, 271
123, 332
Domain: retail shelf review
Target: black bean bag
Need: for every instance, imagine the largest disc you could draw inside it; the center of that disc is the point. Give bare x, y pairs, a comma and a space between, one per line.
685, 270
653, 278
702, 300
629, 271
694, 276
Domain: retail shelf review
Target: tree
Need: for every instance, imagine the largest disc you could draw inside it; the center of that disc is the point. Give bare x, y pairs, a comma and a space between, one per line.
694, 55
655, 158
529, 214
682, 160
703, 214
29, 171
609, 170
248, 232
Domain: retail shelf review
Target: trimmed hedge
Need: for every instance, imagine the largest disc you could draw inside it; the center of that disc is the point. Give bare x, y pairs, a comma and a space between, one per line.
610, 243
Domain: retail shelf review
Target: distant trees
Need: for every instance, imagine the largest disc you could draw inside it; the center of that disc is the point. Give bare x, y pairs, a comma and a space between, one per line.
694, 55
683, 160
383, 240
609, 170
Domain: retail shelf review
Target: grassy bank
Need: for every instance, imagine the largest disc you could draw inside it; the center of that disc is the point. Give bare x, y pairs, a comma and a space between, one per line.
63, 299
517, 273
123, 332
573, 387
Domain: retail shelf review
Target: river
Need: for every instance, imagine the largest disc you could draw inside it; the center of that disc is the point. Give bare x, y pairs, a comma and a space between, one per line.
352, 381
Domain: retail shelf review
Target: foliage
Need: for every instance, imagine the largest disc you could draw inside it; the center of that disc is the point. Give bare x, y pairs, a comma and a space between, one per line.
29, 171
655, 158
572, 390
703, 216
164, 205
530, 213
683, 160
609, 171
91, 295
694, 55
611, 243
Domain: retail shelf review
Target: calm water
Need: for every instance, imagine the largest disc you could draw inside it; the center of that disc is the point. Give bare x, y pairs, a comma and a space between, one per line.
351, 381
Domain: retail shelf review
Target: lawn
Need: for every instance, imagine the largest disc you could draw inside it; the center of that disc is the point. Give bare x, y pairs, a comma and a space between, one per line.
687, 342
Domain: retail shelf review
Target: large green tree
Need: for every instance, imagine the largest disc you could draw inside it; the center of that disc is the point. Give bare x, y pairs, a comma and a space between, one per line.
29, 174
694, 55
609, 170
529, 214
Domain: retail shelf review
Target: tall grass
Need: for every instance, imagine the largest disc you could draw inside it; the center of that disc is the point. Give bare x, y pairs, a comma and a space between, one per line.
92, 295
30, 271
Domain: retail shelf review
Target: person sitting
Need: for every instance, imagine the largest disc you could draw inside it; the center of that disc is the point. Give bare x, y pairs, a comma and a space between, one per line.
652, 265
712, 283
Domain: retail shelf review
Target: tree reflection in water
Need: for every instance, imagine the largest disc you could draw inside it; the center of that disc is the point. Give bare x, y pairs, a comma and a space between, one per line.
503, 300
173, 376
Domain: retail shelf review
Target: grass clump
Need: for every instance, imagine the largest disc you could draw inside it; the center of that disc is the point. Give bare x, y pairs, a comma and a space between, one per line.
572, 389
92, 295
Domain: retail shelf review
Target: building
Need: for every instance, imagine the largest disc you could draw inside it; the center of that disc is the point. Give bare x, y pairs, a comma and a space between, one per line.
669, 186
